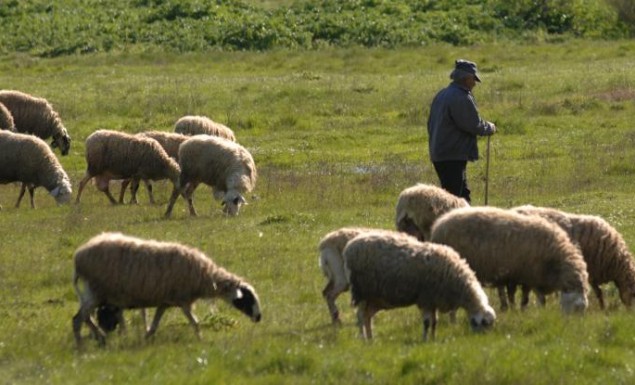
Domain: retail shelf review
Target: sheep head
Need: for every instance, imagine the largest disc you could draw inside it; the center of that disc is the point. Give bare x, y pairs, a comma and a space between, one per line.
573, 302
63, 141
483, 319
62, 192
232, 201
245, 299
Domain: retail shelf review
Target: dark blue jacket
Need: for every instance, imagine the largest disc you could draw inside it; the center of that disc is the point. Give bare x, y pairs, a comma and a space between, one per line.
453, 125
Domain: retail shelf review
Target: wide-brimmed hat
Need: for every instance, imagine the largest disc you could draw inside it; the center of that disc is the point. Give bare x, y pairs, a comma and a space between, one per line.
462, 67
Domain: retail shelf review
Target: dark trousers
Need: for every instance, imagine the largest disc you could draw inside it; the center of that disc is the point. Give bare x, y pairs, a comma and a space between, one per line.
453, 177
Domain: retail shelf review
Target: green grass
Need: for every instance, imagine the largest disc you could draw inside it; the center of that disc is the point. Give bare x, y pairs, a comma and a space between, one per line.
336, 135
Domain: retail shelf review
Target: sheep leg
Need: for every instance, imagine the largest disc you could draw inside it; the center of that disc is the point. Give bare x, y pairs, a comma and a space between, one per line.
502, 297
155, 322
83, 316
22, 191
511, 294
122, 192
150, 194
143, 318
31, 189
82, 184
364, 318
173, 197
188, 193
329, 295
524, 301
133, 191
598, 293
187, 310
429, 323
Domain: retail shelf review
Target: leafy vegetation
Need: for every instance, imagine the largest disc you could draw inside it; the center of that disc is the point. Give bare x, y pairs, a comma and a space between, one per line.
50, 29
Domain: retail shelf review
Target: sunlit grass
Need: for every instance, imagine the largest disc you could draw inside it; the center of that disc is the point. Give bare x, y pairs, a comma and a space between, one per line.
336, 135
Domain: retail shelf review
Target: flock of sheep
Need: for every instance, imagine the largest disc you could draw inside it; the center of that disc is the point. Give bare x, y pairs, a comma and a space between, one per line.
120, 272
440, 256
443, 252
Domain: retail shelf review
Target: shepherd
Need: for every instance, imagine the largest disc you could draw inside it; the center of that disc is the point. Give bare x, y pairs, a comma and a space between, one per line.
453, 126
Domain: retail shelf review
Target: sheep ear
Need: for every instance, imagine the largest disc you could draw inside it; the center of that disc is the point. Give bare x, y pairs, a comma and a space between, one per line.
239, 294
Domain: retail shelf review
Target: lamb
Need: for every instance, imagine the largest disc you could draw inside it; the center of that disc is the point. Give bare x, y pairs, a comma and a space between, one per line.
28, 159
197, 125
420, 205
605, 252
331, 262
170, 142
224, 165
36, 116
6, 119
117, 155
128, 272
505, 248
390, 270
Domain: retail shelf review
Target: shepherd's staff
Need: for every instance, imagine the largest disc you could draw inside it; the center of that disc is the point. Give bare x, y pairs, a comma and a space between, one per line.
487, 170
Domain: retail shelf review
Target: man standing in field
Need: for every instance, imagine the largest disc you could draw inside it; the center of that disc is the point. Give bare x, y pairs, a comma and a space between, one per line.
453, 126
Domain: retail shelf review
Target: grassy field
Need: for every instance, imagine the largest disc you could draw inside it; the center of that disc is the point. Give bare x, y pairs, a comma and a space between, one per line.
336, 135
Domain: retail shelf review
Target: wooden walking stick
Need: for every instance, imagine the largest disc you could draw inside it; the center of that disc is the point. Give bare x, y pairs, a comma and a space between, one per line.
487, 170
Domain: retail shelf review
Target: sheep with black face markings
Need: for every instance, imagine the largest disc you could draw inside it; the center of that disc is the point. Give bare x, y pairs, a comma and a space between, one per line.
29, 160
125, 272
117, 155
199, 125
388, 270
420, 205
224, 165
504, 247
605, 252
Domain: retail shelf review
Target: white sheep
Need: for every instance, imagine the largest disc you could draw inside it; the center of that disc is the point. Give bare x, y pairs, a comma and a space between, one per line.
331, 262
127, 272
605, 252
6, 119
29, 160
505, 248
170, 142
224, 165
420, 205
197, 125
391, 270
36, 116
117, 155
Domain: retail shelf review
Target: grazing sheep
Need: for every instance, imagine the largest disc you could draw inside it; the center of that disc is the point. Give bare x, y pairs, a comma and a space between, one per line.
331, 262
36, 116
390, 270
117, 155
6, 119
197, 125
170, 142
420, 205
504, 248
606, 255
604, 250
28, 159
224, 165
127, 272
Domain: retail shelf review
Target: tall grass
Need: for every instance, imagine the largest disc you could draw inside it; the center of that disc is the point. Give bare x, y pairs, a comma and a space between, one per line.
336, 135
